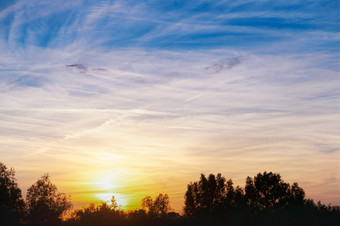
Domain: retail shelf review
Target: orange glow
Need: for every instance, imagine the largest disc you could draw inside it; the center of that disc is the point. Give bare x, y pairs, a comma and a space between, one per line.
106, 182
121, 200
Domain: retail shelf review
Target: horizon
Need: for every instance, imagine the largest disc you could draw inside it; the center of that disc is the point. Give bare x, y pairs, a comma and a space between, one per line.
127, 202
139, 98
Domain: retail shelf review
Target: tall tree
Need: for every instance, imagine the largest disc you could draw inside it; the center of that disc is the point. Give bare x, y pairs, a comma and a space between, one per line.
272, 190
207, 195
297, 196
11, 203
45, 204
159, 206
264, 191
268, 190
251, 194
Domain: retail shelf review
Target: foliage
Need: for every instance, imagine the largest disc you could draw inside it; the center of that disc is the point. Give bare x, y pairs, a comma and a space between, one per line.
159, 206
45, 204
264, 191
268, 190
103, 214
154, 212
265, 200
12, 205
206, 195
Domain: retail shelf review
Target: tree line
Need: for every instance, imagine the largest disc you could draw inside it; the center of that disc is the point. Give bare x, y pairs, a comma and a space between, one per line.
265, 200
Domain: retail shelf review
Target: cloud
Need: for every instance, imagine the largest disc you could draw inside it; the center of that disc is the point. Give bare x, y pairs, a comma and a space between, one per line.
81, 68
149, 105
224, 65
193, 25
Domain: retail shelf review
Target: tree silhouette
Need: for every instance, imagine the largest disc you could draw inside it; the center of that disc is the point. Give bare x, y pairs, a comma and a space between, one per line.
45, 204
265, 200
268, 190
297, 196
207, 195
12, 205
264, 191
159, 206
103, 214
251, 194
272, 191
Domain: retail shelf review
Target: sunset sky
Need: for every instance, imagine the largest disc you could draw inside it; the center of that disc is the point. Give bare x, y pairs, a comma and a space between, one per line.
137, 98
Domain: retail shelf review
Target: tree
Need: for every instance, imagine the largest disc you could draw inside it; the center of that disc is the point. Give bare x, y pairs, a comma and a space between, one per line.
45, 204
297, 195
268, 190
103, 214
162, 204
214, 195
147, 204
251, 194
11, 203
271, 189
159, 206
207, 195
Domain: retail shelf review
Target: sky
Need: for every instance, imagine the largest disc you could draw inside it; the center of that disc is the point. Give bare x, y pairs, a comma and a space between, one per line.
134, 98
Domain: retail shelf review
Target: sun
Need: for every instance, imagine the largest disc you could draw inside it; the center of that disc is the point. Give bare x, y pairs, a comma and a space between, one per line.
106, 183
106, 186
107, 197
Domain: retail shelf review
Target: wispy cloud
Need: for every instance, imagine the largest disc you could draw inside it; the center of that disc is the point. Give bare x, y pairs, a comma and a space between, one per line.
182, 26
118, 87
265, 112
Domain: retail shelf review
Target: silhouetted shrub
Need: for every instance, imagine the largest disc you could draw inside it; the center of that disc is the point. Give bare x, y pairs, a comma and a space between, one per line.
265, 200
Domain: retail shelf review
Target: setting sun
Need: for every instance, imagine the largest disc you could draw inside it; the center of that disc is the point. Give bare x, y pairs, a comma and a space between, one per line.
137, 100
104, 185
121, 200
106, 182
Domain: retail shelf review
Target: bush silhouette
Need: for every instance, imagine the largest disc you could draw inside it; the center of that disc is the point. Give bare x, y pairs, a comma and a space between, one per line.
265, 200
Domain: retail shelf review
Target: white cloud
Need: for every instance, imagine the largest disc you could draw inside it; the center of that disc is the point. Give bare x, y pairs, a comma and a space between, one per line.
155, 113
162, 112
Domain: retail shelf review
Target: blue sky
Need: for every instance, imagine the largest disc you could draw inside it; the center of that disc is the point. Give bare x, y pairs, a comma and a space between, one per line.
170, 89
306, 26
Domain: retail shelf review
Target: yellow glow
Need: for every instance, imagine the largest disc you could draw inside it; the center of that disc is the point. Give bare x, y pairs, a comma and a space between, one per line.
106, 183
106, 197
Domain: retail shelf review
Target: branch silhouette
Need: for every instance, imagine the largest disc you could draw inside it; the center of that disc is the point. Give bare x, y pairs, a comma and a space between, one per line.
266, 199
